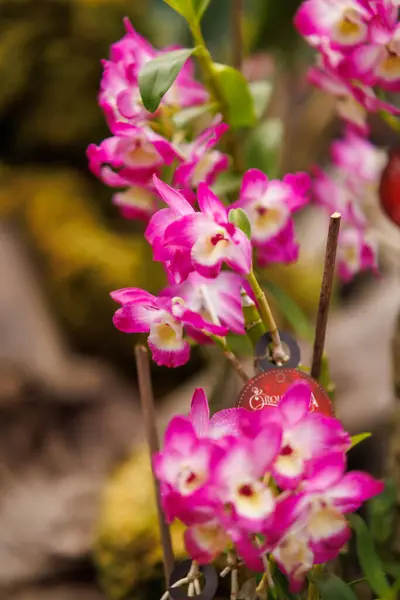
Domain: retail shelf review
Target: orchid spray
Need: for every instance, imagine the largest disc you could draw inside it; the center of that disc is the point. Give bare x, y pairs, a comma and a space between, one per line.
266, 491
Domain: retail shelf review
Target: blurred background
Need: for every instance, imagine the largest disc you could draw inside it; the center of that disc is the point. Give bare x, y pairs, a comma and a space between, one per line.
77, 516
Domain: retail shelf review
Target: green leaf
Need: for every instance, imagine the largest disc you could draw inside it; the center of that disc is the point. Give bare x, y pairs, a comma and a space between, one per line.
261, 92
239, 217
185, 116
291, 311
360, 437
236, 95
264, 147
368, 558
200, 7
191, 10
381, 516
157, 76
332, 588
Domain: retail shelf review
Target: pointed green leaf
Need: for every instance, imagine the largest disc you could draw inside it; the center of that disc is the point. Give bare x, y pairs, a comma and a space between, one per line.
261, 92
360, 437
332, 588
200, 7
368, 558
236, 95
239, 217
157, 76
191, 10
291, 311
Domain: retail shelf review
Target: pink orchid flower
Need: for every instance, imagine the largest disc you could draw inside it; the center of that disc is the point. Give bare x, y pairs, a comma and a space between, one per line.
354, 99
184, 469
205, 541
164, 319
360, 161
269, 205
328, 493
378, 62
203, 241
306, 435
120, 96
133, 156
295, 558
357, 252
202, 163
343, 22
246, 501
136, 202
217, 300
334, 193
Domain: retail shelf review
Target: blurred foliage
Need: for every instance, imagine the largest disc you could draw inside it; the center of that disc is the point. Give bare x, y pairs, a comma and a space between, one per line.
127, 549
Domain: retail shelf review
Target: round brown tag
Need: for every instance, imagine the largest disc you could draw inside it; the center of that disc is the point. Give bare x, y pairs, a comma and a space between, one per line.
266, 390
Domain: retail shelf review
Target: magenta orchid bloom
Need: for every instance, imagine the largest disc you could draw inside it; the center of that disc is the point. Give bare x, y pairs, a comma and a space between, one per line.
119, 94
378, 62
334, 193
136, 202
205, 541
360, 162
343, 22
225, 422
197, 241
164, 319
246, 501
269, 205
202, 163
134, 156
218, 300
357, 252
184, 468
306, 435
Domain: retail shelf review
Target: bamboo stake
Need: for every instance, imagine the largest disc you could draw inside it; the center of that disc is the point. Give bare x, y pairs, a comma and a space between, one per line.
149, 416
325, 294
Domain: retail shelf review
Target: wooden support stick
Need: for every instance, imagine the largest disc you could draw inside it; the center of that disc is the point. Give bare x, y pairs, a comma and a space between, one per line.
325, 295
149, 416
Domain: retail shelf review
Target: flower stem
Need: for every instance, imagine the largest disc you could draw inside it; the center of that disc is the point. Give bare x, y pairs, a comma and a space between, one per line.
278, 353
253, 324
212, 83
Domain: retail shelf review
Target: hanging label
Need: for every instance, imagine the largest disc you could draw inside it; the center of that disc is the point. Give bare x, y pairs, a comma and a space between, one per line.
266, 390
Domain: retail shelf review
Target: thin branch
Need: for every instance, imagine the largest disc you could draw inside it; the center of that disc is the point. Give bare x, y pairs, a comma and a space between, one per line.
149, 416
325, 294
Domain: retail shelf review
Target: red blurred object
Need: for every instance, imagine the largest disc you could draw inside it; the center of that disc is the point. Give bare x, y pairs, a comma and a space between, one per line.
265, 391
389, 189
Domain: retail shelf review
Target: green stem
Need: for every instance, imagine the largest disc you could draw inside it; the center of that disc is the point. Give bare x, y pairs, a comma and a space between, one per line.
253, 324
212, 83
278, 353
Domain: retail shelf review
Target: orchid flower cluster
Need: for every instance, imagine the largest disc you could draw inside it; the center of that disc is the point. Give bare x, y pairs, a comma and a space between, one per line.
272, 484
358, 61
